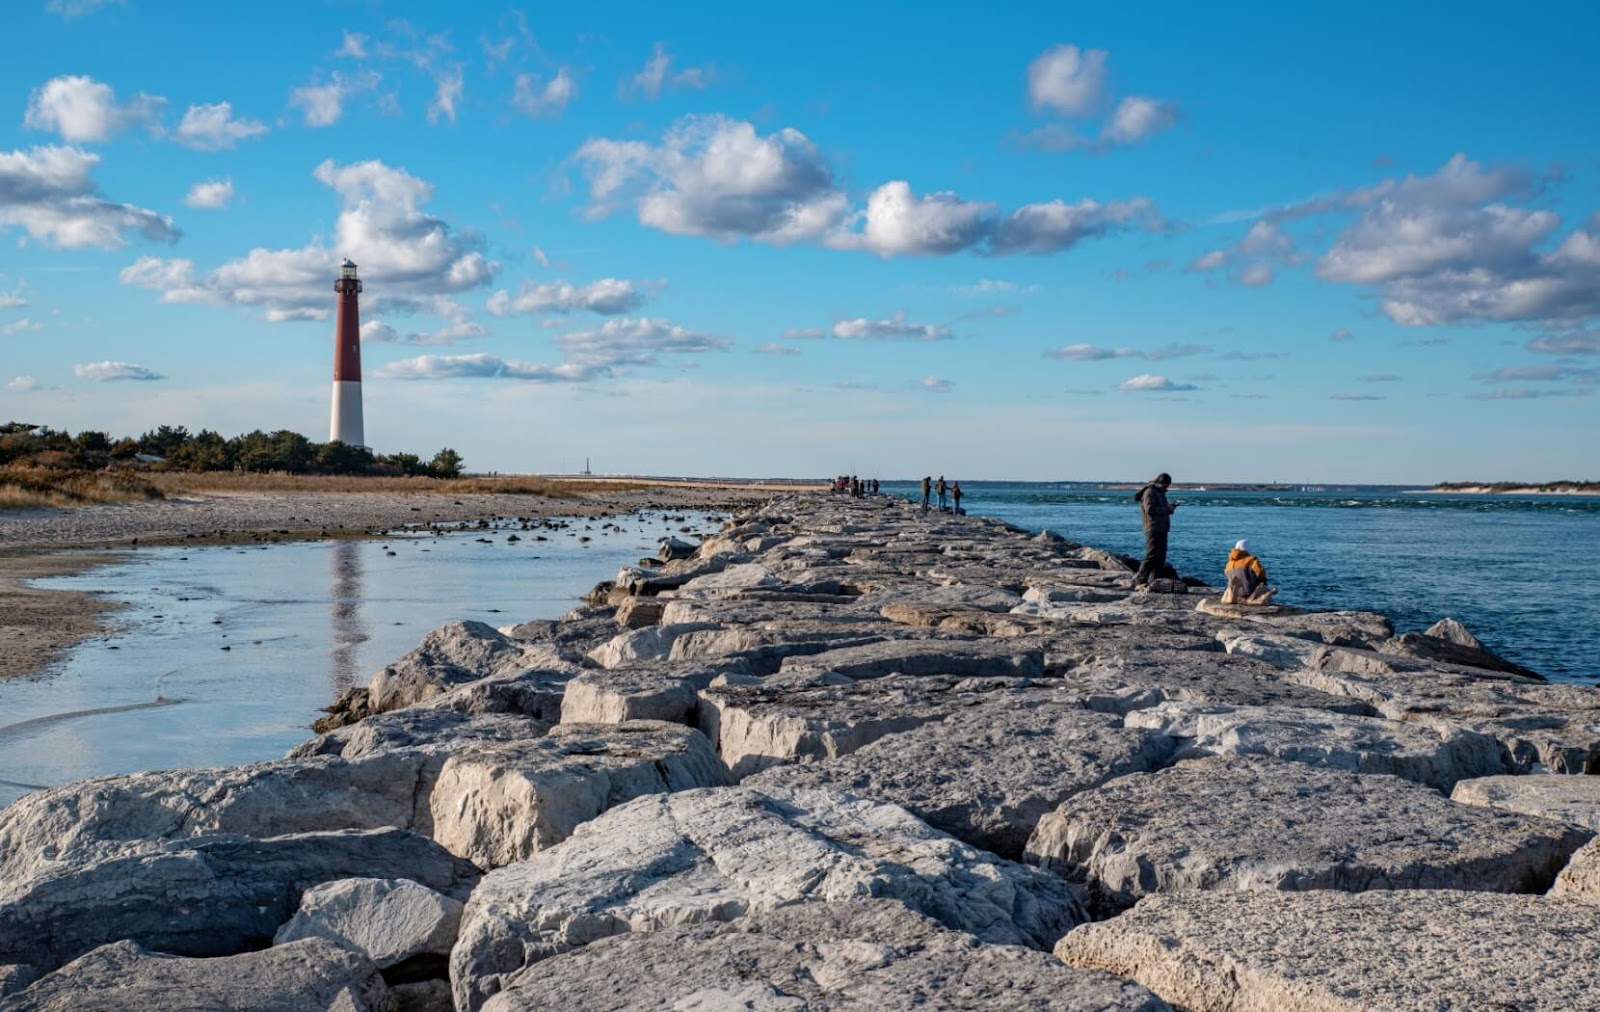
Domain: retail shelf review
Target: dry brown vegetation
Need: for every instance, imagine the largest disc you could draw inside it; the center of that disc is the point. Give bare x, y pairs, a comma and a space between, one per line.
173, 482
25, 487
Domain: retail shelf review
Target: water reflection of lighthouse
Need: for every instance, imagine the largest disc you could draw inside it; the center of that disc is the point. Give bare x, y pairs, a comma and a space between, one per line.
349, 628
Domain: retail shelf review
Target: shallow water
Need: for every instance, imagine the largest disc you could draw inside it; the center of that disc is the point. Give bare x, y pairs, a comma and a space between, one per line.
1518, 571
227, 653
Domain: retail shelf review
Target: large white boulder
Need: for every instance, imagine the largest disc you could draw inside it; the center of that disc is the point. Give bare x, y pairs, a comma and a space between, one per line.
388, 920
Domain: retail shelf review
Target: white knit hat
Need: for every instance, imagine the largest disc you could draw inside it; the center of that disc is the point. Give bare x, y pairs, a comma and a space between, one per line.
1241, 545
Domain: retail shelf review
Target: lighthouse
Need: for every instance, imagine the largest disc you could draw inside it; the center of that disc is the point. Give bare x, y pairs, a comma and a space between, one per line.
345, 426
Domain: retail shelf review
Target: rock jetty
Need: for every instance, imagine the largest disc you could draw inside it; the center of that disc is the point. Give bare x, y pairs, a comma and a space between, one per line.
846, 755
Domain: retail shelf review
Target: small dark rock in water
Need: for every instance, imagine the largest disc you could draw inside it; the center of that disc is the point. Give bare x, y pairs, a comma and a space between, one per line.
513, 538
227, 648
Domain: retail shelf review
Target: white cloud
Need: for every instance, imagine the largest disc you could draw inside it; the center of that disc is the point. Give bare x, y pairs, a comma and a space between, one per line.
1436, 256
1137, 119
214, 128
634, 342
354, 46
1541, 374
11, 300
802, 334
896, 328
411, 261
21, 326
211, 193
1342, 334
772, 348
448, 88
83, 110
108, 372
1095, 353
934, 384
608, 297
1528, 393
48, 192
658, 74
69, 9
23, 385
533, 96
897, 223
992, 287
1057, 225
1067, 80
377, 332
1150, 382
1574, 342
481, 366
714, 176
322, 104
1256, 275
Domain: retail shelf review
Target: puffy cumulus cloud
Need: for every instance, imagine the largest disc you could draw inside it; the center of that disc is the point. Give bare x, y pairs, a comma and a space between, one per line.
1251, 260
1572, 342
714, 176
896, 328
1096, 353
214, 194
1057, 225
481, 366
83, 110
936, 385
322, 103
627, 342
378, 332
111, 372
1138, 119
411, 260
215, 128
658, 74
21, 326
23, 385
717, 177
1067, 80
533, 96
1152, 383
49, 193
773, 348
898, 222
608, 297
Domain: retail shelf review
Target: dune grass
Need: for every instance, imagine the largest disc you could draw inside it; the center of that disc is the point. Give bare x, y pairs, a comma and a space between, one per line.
174, 482
31, 487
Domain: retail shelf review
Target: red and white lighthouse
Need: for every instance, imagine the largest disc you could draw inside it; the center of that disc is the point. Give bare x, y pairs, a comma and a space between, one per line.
345, 426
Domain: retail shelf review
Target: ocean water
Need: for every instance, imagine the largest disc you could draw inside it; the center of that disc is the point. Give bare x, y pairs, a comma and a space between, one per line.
226, 654
1518, 571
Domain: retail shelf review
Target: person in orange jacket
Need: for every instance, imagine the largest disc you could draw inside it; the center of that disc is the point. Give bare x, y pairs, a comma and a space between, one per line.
1247, 577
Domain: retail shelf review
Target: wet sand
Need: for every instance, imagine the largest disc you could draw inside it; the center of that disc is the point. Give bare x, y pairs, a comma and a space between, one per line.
38, 625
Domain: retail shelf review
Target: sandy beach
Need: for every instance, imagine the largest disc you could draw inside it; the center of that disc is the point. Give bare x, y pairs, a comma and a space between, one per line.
38, 625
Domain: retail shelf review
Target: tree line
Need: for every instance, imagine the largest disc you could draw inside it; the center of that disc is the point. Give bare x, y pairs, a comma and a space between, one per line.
175, 448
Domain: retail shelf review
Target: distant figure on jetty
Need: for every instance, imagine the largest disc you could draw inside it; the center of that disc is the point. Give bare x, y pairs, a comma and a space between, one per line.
1247, 577
943, 492
955, 495
927, 490
1157, 524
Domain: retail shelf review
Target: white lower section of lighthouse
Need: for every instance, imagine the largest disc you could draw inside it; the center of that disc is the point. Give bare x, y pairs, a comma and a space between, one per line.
345, 425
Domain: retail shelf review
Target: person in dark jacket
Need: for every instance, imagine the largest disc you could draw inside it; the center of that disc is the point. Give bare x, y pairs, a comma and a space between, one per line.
927, 490
1157, 523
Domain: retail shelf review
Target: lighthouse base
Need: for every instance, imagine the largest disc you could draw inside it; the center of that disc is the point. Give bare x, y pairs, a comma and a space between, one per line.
345, 425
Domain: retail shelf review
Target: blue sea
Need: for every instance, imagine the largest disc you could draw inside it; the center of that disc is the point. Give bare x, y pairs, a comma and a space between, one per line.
1519, 571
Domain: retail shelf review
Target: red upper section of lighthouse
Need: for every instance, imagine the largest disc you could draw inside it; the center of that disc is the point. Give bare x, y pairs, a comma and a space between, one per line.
347, 330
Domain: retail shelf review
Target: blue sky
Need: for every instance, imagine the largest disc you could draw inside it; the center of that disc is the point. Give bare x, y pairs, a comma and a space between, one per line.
1037, 243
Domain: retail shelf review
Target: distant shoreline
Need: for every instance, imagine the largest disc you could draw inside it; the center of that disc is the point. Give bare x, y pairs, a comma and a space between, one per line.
1514, 488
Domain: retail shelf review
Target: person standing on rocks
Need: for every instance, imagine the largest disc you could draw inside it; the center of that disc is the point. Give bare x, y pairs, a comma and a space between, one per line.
955, 496
943, 492
1157, 524
927, 489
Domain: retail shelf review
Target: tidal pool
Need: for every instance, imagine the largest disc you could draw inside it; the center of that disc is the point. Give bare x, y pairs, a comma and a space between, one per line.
226, 654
